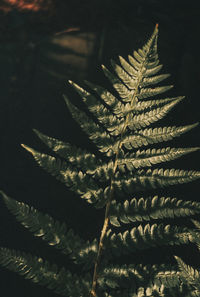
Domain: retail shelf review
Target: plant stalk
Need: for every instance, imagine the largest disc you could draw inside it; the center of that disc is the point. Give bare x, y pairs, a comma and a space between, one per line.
106, 219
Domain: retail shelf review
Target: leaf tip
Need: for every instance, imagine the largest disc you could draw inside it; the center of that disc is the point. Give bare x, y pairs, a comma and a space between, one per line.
29, 149
196, 124
65, 98
177, 259
4, 196
2, 193
35, 131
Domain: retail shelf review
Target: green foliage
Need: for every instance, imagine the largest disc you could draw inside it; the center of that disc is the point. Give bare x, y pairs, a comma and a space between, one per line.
119, 127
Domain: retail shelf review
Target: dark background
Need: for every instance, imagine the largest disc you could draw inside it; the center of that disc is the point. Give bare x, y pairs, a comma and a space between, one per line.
42, 46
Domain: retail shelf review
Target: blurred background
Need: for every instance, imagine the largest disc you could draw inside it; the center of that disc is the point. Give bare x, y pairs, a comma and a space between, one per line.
43, 43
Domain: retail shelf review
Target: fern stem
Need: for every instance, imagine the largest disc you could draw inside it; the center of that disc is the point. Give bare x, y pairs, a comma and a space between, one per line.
103, 234
106, 219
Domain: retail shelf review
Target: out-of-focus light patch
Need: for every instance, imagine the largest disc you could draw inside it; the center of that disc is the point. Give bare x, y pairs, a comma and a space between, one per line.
33, 5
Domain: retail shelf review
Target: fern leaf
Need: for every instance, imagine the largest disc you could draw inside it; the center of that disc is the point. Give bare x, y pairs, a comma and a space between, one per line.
156, 135
141, 292
125, 94
109, 99
145, 119
136, 64
134, 276
53, 232
151, 291
148, 107
139, 55
133, 73
196, 223
151, 208
141, 238
77, 157
147, 158
120, 110
128, 67
154, 70
164, 274
166, 278
127, 79
77, 181
101, 112
41, 272
153, 80
193, 293
152, 104
116, 106
117, 126
157, 178
103, 172
189, 274
96, 133
150, 92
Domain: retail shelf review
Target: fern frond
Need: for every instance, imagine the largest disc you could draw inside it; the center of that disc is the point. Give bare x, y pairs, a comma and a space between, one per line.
151, 71
121, 110
122, 277
39, 271
151, 208
152, 104
78, 157
150, 92
125, 94
141, 238
134, 276
117, 126
151, 280
156, 135
137, 74
96, 134
153, 80
141, 120
196, 223
128, 67
150, 157
129, 80
115, 105
189, 274
77, 181
158, 108
132, 74
151, 179
151, 291
53, 232
101, 112
145, 119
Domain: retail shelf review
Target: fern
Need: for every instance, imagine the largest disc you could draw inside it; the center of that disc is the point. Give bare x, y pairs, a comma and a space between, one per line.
120, 127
